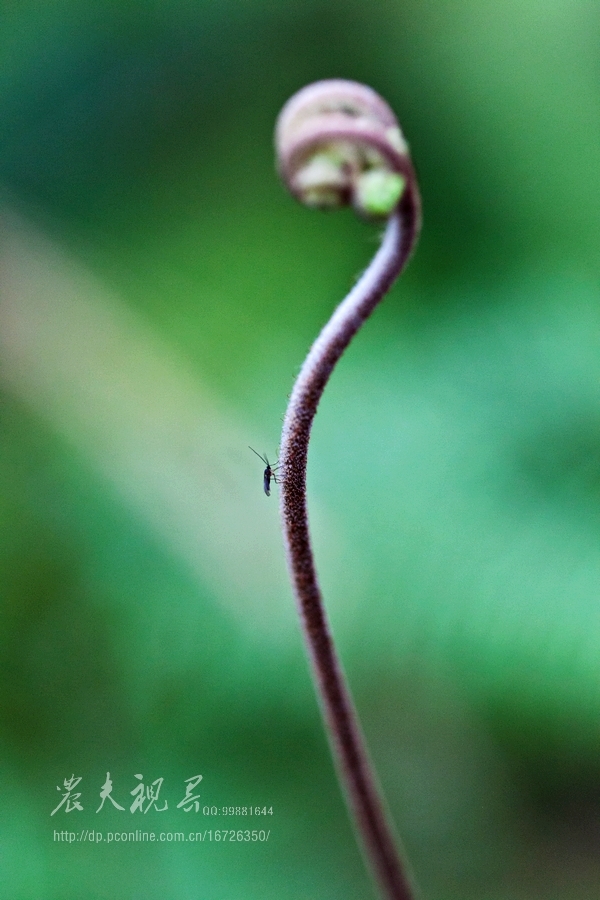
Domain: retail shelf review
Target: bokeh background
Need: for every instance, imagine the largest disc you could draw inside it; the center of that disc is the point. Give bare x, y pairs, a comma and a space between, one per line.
158, 292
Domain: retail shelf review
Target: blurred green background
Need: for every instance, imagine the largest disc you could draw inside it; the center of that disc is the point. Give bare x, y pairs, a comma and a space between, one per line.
158, 292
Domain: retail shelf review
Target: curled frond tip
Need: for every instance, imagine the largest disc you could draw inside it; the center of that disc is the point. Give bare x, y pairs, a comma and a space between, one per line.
338, 143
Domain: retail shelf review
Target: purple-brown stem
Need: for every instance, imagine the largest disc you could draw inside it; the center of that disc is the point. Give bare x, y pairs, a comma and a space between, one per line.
348, 746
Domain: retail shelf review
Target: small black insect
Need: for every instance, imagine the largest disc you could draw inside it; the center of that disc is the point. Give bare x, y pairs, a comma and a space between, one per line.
268, 473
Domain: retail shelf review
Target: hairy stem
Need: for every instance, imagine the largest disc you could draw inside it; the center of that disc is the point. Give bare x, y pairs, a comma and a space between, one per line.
355, 771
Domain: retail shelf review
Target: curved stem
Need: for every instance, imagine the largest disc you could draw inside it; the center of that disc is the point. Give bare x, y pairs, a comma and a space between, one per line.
347, 743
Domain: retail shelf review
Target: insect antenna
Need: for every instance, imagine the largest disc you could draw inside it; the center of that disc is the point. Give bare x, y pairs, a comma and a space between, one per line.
261, 456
